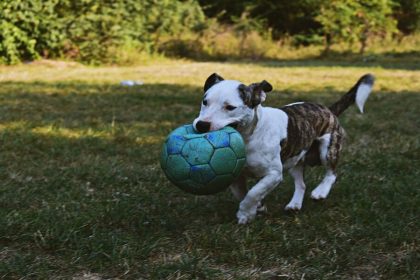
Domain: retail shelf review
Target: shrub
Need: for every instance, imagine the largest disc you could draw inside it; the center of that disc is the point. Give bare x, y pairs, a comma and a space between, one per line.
90, 30
356, 21
219, 42
27, 29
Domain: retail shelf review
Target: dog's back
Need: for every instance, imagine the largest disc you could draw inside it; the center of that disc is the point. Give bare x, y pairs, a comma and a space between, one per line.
306, 123
315, 128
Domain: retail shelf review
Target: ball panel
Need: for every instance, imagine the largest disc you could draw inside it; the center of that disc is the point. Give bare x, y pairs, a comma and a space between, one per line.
219, 183
197, 151
177, 167
240, 163
182, 130
202, 173
202, 163
174, 144
219, 139
192, 136
190, 129
237, 144
223, 161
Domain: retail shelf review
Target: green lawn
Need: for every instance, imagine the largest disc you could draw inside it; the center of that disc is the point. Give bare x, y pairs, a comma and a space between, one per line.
82, 194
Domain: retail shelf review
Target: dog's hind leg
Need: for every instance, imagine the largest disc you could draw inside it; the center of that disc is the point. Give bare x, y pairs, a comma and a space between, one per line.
323, 189
297, 173
238, 188
329, 149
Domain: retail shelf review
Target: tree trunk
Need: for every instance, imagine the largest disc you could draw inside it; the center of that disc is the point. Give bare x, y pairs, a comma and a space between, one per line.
363, 45
363, 41
328, 43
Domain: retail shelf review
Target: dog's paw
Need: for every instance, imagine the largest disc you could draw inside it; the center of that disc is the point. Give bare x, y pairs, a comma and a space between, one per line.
245, 217
319, 193
243, 220
293, 206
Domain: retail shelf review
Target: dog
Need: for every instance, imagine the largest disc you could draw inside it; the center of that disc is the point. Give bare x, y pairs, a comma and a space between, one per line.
288, 138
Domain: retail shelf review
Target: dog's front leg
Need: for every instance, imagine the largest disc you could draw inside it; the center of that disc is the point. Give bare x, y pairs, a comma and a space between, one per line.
239, 190
248, 207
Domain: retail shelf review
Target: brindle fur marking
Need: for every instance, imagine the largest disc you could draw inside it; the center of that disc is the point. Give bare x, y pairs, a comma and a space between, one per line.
254, 94
307, 122
282, 139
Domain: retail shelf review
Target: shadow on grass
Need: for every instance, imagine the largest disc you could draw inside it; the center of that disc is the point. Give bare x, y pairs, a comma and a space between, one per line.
82, 106
409, 60
77, 104
74, 137
82, 188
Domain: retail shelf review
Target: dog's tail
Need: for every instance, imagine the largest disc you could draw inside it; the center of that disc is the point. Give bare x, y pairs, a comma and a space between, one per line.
359, 93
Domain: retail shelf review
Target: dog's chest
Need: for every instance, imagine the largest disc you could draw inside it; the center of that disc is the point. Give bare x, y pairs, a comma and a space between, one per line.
259, 160
263, 145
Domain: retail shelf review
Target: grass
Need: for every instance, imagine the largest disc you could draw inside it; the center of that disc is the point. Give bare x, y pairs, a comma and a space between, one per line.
83, 196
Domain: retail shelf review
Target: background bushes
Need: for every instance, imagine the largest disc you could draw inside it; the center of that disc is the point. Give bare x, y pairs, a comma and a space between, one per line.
90, 30
101, 31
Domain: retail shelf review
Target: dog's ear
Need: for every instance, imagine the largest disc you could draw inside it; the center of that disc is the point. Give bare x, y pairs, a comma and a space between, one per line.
212, 80
245, 94
256, 93
266, 86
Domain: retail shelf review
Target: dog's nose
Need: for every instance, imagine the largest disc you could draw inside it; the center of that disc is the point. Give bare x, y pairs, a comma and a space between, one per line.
202, 126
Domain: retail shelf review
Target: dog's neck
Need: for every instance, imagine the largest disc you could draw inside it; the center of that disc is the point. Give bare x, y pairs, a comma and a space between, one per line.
247, 129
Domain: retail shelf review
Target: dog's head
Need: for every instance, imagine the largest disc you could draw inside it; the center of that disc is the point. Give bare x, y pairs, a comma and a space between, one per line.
228, 102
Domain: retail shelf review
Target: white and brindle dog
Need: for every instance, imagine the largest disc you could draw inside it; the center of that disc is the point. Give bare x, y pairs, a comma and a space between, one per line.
288, 138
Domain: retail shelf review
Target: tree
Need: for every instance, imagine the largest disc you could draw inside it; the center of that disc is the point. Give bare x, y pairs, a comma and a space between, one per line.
282, 16
407, 13
356, 21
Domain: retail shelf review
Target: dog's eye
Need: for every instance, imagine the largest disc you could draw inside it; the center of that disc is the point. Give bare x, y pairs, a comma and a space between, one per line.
205, 102
230, 107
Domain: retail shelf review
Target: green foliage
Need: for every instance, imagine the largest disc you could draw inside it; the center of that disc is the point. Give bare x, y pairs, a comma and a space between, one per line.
125, 31
407, 12
26, 29
301, 19
356, 20
290, 17
90, 30
283, 17
98, 28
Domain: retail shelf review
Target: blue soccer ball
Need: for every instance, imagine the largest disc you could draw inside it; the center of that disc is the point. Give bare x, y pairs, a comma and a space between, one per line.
203, 163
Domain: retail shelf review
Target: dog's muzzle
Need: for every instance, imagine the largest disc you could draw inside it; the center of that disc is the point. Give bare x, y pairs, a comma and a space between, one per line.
202, 126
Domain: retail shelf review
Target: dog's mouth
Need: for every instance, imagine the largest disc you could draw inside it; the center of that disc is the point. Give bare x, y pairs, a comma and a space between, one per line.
234, 125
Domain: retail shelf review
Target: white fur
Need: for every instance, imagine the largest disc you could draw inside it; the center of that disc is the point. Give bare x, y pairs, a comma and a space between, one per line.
295, 103
263, 129
289, 163
263, 96
218, 96
297, 199
323, 189
323, 147
263, 158
362, 95
262, 141
321, 192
